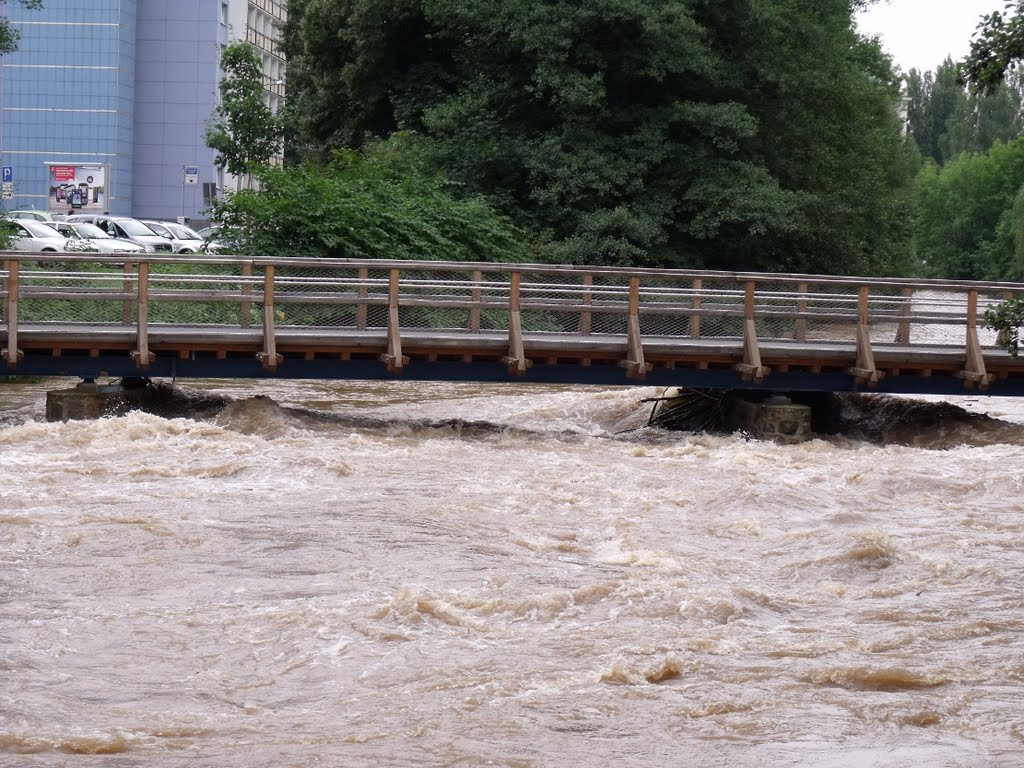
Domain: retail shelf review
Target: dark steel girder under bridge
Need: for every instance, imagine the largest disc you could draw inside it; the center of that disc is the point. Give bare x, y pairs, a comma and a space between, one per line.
227, 317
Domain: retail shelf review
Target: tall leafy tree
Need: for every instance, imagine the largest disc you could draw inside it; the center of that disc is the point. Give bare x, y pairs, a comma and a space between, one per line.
9, 36
728, 133
996, 48
967, 214
243, 131
944, 118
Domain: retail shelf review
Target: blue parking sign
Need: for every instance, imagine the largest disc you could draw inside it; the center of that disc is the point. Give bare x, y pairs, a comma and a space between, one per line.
8, 173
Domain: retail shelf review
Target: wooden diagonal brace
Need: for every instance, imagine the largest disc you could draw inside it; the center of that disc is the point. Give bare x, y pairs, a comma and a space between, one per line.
11, 353
634, 363
974, 373
515, 360
142, 356
864, 370
751, 368
269, 357
393, 358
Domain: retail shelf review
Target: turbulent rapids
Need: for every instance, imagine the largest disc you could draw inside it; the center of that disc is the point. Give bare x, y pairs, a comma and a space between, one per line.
878, 419
418, 574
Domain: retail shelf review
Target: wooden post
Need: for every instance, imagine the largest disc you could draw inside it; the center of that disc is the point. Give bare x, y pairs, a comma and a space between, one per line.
269, 357
800, 326
142, 356
11, 353
476, 297
903, 330
246, 308
586, 316
364, 276
751, 367
515, 360
636, 367
126, 305
974, 371
393, 358
864, 369
698, 284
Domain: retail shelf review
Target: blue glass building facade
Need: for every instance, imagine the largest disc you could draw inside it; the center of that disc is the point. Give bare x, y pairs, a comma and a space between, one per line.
111, 99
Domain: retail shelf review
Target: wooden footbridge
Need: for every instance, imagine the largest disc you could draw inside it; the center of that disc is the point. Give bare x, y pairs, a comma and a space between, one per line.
220, 317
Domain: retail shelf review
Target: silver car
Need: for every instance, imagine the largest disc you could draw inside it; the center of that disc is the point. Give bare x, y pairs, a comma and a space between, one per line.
98, 237
36, 237
183, 239
126, 229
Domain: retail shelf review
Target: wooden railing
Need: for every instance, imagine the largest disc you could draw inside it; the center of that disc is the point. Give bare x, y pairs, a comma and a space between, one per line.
522, 303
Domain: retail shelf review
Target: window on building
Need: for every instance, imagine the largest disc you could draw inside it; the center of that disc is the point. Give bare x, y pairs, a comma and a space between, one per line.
224, 14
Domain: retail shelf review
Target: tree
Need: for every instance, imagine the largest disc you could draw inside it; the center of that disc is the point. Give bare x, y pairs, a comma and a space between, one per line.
381, 202
997, 46
243, 132
966, 212
9, 36
723, 133
945, 119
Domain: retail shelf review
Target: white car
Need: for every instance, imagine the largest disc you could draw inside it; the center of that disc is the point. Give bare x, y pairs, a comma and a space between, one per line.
36, 237
127, 229
98, 237
183, 239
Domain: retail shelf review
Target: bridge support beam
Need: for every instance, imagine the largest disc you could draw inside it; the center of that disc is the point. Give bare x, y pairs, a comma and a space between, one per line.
864, 369
515, 360
974, 373
90, 400
751, 367
634, 363
11, 353
393, 358
142, 356
269, 357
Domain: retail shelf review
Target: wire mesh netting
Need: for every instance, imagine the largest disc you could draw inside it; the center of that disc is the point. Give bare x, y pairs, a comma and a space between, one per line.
468, 298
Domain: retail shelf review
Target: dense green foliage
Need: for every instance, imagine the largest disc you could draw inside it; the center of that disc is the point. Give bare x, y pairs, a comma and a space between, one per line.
703, 133
381, 202
996, 48
970, 215
945, 119
243, 132
9, 36
1006, 318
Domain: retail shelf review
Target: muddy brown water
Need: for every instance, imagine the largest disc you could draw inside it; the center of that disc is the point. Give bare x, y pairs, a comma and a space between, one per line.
412, 574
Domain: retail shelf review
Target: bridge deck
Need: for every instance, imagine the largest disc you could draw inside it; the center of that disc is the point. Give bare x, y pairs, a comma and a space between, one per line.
291, 318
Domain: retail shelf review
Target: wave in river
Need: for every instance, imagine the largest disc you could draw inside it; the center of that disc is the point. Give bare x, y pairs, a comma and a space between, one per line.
874, 418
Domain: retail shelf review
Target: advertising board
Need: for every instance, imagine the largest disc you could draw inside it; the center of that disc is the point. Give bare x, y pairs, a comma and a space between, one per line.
82, 188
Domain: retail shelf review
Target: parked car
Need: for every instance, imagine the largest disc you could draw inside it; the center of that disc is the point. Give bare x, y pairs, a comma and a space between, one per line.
104, 243
34, 236
183, 239
126, 229
36, 215
212, 242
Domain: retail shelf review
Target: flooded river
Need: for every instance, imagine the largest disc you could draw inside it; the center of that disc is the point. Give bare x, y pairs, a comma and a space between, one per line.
411, 574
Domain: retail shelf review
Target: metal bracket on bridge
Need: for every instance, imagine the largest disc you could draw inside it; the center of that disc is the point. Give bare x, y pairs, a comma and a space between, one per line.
143, 358
12, 360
